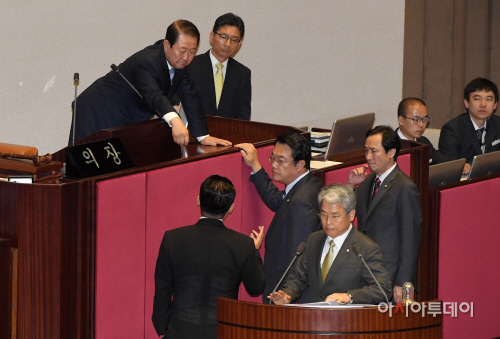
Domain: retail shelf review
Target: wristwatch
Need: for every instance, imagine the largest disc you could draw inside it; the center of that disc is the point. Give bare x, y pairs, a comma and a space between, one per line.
350, 296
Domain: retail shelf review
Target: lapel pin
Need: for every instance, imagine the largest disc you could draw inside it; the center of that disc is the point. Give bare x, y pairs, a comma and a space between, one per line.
385, 186
287, 200
347, 250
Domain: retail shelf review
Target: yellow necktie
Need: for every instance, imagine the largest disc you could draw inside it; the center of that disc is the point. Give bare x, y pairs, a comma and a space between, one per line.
327, 263
219, 82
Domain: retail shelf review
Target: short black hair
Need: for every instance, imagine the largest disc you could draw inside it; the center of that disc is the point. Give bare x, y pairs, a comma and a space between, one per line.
390, 139
230, 19
181, 26
301, 147
403, 105
480, 84
216, 196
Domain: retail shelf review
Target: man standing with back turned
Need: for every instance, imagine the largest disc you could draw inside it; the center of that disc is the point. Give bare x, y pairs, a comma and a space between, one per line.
388, 207
296, 208
222, 83
197, 264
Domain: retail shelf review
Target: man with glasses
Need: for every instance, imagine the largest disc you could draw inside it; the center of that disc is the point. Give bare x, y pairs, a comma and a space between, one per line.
222, 83
329, 267
476, 131
413, 119
389, 210
296, 207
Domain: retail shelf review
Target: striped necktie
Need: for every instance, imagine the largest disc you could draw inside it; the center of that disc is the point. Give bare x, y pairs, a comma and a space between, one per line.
327, 263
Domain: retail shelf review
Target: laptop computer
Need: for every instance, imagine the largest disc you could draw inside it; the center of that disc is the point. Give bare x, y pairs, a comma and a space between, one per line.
484, 164
349, 134
446, 173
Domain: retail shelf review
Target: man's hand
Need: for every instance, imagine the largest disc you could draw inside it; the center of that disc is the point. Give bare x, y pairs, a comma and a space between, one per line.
357, 176
466, 168
397, 293
280, 298
342, 298
179, 132
249, 154
258, 237
213, 141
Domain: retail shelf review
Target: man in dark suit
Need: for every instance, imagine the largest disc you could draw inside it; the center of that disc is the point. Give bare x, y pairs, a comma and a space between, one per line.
226, 92
329, 267
388, 207
476, 131
413, 119
296, 208
156, 73
197, 264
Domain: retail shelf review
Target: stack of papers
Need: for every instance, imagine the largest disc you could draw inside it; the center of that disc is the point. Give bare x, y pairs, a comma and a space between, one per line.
319, 141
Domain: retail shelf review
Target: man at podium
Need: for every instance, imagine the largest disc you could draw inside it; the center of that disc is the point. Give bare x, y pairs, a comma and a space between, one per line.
328, 266
141, 87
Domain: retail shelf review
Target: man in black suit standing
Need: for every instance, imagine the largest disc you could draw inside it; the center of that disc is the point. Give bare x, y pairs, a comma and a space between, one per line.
197, 264
296, 207
156, 74
388, 207
413, 119
328, 266
476, 131
222, 83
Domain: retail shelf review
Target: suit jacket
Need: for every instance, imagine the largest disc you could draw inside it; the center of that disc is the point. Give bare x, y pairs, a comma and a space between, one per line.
347, 272
435, 156
111, 102
296, 217
458, 138
196, 265
393, 219
236, 92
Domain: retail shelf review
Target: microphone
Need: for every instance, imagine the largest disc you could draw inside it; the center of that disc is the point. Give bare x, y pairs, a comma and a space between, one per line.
76, 81
117, 70
299, 251
357, 251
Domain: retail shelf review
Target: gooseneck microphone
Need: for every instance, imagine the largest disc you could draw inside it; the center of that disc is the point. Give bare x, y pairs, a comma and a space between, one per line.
117, 70
357, 251
299, 251
76, 81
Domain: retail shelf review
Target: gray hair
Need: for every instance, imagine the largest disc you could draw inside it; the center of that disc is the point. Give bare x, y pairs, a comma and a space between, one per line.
338, 194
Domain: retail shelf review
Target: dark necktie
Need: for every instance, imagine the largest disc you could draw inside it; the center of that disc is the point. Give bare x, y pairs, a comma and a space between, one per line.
376, 186
480, 135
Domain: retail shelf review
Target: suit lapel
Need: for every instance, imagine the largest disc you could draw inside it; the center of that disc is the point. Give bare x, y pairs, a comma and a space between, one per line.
490, 135
385, 186
471, 133
208, 77
342, 255
229, 83
284, 204
318, 251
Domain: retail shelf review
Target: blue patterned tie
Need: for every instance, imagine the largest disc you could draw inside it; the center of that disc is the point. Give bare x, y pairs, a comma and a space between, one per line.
172, 71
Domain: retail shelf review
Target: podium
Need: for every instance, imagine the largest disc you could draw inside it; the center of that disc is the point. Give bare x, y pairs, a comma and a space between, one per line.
244, 320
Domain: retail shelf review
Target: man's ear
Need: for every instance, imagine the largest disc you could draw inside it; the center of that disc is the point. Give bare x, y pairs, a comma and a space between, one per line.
231, 209
300, 165
466, 103
391, 153
401, 120
198, 201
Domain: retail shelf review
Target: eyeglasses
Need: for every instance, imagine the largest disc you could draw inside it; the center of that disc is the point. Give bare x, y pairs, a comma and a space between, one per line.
418, 120
273, 159
224, 37
335, 218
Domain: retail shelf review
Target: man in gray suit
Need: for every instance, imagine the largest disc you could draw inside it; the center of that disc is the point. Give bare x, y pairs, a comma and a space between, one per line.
296, 207
389, 210
329, 266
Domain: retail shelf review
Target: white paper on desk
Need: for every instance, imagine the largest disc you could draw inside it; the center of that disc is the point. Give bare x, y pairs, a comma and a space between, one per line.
329, 304
322, 164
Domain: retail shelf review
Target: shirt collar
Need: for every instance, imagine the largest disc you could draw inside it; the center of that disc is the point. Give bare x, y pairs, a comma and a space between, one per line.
401, 136
215, 61
290, 186
339, 240
386, 173
475, 126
